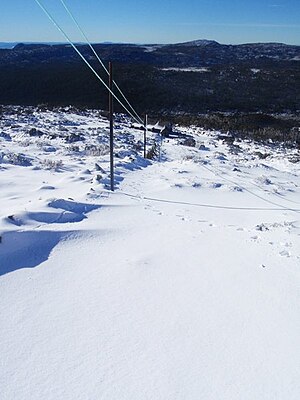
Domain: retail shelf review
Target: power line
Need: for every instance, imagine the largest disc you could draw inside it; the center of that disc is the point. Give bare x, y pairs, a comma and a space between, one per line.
83, 58
249, 191
97, 56
185, 203
275, 194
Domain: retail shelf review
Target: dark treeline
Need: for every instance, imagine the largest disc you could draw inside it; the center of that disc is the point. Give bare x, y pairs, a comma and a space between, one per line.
225, 83
153, 90
256, 126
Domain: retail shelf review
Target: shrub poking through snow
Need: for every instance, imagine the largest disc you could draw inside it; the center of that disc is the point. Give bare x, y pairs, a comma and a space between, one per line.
74, 148
190, 142
153, 152
52, 164
74, 137
96, 151
5, 136
15, 159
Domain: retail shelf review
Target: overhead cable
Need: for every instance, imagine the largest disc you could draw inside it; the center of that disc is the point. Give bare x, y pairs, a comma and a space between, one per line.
275, 194
97, 56
218, 173
185, 203
83, 58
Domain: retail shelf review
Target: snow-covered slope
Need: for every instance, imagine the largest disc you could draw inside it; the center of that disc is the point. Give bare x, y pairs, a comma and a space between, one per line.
183, 284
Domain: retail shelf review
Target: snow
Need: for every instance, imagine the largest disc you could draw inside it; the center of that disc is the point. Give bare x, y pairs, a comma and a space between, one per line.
188, 69
182, 284
200, 43
152, 48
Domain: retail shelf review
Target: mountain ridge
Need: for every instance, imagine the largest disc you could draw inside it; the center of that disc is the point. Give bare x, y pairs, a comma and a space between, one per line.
199, 42
193, 77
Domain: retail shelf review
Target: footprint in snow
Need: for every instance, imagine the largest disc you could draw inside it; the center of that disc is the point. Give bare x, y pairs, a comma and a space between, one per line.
47, 187
235, 189
285, 253
286, 244
216, 185
156, 211
182, 217
196, 185
255, 237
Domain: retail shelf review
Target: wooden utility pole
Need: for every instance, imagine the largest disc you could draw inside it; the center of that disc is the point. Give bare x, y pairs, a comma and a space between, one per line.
111, 128
145, 135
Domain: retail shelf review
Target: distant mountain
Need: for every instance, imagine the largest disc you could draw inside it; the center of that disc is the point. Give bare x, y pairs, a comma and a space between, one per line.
198, 53
191, 77
200, 43
11, 45
5, 45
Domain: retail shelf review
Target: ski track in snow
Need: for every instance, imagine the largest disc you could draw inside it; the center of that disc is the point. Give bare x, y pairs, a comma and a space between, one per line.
145, 293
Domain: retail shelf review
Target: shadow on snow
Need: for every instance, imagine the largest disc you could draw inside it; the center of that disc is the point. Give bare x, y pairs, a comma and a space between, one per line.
27, 249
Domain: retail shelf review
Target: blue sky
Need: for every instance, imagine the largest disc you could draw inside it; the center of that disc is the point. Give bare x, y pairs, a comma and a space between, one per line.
155, 21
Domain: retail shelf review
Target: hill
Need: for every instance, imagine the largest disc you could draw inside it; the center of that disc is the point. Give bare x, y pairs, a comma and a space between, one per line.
193, 77
182, 284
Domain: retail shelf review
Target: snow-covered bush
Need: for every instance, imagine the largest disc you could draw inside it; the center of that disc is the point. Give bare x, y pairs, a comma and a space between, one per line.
73, 148
5, 136
153, 152
52, 164
96, 150
15, 159
33, 132
190, 142
25, 142
74, 137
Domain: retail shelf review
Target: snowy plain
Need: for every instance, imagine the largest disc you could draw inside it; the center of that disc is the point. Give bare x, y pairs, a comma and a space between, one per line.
183, 284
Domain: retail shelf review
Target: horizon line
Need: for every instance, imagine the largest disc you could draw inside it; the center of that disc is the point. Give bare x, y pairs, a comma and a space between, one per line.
16, 42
